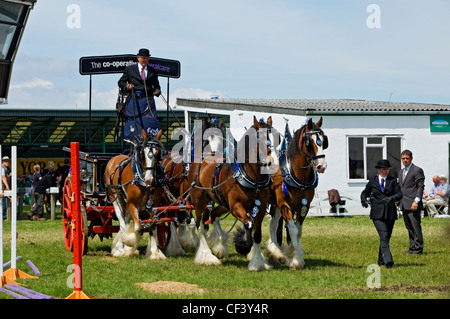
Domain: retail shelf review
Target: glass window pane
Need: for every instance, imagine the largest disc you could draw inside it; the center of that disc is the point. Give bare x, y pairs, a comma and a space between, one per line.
356, 157
6, 36
374, 140
10, 12
374, 154
393, 154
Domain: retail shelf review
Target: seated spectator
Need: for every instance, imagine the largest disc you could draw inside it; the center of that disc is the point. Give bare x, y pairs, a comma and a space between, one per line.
438, 195
431, 194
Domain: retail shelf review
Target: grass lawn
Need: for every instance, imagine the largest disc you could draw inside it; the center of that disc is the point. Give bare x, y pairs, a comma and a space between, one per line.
338, 252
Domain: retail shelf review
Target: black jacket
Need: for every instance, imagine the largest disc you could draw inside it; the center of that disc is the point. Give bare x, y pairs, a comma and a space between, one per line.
45, 183
131, 75
382, 203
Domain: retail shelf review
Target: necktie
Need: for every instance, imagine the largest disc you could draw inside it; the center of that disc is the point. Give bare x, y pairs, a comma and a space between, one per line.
382, 185
143, 74
403, 174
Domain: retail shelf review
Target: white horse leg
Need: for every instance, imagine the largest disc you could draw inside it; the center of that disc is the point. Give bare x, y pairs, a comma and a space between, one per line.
257, 261
274, 252
132, 236
188, 238
295, 253
218, 240
204, 255
153, 251
117, 245
174, 247
300, 230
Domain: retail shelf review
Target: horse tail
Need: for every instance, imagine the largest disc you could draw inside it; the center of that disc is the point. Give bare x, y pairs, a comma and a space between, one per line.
243, 241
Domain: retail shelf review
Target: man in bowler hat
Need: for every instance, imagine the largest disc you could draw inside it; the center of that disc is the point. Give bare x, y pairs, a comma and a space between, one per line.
383, 191
140, 82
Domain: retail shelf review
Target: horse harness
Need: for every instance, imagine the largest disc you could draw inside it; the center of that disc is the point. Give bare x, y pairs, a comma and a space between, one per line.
287, 171
241, 176
137, 172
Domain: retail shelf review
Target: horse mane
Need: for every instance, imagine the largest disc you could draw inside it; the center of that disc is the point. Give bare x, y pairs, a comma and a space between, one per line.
245, 140
293, 146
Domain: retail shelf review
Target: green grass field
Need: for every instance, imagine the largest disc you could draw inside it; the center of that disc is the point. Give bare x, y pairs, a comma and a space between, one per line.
338, 252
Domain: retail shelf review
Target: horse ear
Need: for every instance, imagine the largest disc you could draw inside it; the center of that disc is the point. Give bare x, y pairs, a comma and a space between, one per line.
158, 136
269, 121
255, 122
143, 134
310, 124
222, 122
319, 122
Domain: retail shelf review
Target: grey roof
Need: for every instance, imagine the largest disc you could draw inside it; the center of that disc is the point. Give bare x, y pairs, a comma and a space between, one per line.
308, 106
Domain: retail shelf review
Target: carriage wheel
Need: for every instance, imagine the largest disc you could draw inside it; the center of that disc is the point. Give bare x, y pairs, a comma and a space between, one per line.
69, 222
85, 232
162, 234
67, 214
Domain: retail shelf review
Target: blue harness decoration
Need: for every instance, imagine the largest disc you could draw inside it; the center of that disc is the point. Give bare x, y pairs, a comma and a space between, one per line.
287, 172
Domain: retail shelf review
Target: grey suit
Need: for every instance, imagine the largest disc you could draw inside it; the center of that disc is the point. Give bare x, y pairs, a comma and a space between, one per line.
412, 187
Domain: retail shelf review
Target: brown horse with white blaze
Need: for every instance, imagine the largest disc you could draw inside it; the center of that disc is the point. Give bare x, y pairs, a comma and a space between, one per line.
293, 188
130, 183
241, 188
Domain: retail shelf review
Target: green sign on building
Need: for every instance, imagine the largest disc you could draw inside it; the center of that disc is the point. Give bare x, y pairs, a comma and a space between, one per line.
440, 123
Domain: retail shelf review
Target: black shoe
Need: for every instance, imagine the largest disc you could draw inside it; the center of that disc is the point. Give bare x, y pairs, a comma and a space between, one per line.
389, 264
414, 252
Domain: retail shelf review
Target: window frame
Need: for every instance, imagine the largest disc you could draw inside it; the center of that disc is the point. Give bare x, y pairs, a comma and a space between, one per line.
383, 145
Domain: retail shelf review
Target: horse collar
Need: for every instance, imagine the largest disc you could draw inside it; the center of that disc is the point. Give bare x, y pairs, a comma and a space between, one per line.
246, 181
290, 178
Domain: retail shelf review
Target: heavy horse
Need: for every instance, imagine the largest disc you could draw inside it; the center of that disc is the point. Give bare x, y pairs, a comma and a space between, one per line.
211, 136
131, 185
242, 188
301, 159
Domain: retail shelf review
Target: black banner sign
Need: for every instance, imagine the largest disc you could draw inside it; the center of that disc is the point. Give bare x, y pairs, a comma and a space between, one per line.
118, 63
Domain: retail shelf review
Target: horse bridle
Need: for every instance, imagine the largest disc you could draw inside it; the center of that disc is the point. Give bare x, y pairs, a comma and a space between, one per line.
153, 144
139, 150
308, 145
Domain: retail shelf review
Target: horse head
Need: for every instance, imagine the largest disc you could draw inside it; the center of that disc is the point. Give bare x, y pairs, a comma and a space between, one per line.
255, 145
213, 136
272, 142
314, 142
148, 152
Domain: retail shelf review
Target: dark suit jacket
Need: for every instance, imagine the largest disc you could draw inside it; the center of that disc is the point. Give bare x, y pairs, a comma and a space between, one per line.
382, 203
131, 75
412, 186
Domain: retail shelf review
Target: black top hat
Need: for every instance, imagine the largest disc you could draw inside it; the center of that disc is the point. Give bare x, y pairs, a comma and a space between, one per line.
144, 52
383, 163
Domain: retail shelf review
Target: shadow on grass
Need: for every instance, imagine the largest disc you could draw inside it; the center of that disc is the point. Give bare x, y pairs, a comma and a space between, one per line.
240, 261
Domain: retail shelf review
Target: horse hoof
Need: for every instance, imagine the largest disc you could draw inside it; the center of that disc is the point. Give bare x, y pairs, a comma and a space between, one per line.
297, 264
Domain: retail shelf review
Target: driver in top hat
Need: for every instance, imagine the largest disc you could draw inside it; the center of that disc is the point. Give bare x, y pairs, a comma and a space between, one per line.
140, 82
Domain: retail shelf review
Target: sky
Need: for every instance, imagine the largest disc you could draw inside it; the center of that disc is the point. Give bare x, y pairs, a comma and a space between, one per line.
378, 50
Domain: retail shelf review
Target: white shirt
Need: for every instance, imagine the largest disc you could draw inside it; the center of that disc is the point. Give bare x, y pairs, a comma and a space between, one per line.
140, 69
417, 199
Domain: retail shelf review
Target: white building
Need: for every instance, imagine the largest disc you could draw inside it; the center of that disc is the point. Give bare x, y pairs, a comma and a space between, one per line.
359, 133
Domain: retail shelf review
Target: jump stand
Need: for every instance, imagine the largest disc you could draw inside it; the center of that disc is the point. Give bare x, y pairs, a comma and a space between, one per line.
6, 281
14, 273
76, 208
9, 276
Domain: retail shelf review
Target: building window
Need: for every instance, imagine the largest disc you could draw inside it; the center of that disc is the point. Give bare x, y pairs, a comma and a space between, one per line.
365, 151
